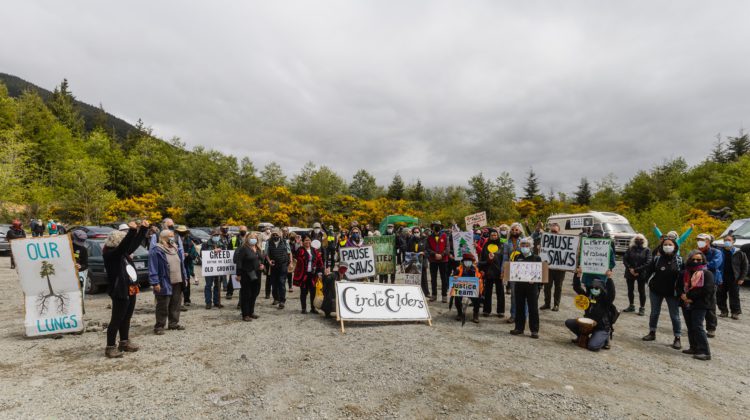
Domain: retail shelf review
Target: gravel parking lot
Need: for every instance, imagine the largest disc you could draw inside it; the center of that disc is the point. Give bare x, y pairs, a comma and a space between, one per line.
289, 365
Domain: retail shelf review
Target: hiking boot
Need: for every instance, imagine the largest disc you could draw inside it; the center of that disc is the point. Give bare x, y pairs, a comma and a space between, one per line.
112, 352
445, 299
253, 316
516, 332
246, 318
228, 297
688, 351
676, 344
433, 298
475, 319
208, 306
187, 303
177, 327
281, 306
183, 309
711, 333
723, 314
219, 306
535, 335
275, 302
510, 320
127, 346
641, 311
704, 357
159, 331
556, 308
735, 316
630, 308
651, 336
544, 307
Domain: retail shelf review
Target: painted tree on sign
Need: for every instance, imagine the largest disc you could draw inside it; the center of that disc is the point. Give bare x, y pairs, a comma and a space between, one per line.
44, 298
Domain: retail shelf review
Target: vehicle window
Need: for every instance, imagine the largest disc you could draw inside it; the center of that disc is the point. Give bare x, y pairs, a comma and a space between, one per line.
140, 251
618, 228
742, 232
95, 248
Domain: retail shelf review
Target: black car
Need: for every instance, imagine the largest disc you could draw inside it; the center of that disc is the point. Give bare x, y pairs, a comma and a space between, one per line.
98, 276
94, 232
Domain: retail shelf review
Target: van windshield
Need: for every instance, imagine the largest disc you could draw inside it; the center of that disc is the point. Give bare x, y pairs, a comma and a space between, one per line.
618, 228
742, 232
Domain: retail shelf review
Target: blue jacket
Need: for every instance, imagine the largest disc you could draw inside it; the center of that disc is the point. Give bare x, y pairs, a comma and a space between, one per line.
715, 260
158, 270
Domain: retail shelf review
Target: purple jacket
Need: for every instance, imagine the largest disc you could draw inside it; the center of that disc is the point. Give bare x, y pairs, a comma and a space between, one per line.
158, 270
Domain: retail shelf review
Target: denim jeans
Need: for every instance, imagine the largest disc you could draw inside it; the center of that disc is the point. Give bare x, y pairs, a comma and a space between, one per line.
597, 340
696, 333
278, 281
673, 304
212, 289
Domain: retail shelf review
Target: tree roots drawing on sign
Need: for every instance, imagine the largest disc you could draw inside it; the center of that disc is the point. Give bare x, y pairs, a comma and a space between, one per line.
45, 300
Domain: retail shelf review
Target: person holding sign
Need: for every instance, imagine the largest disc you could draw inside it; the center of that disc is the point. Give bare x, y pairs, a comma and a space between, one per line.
512, 245
587, 278
308, 270
416, 244
597, 307
438, 254
168, 276
527, 294
467, 269
213, 283
122, 284
556, 278
491, 265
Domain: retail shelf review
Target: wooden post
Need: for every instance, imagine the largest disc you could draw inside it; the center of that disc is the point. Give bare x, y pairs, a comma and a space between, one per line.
342, 326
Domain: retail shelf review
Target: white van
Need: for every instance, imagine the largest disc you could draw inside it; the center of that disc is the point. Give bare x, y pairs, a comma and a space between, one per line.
616, 226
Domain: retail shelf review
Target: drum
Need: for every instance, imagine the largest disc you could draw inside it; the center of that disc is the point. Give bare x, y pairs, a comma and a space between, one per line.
585, 327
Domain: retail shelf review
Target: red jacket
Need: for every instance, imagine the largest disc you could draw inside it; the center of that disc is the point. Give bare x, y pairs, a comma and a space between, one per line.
300, 278
438, 245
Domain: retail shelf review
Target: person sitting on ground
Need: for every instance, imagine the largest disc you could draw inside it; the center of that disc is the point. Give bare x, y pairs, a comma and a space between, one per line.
600, 294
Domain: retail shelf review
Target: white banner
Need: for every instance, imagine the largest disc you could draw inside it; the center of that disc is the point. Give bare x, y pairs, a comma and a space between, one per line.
217, 263
595, 255
360, 262
526, 272
52, 293
380, 302
560, 251
475, 219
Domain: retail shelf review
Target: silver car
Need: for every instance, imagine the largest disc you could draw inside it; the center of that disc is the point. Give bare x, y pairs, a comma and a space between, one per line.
4, 244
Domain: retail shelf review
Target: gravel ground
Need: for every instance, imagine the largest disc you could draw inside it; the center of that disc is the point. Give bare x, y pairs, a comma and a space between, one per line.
289, 365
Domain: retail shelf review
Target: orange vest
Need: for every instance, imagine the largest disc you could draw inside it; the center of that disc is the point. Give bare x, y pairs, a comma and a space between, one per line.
478, 275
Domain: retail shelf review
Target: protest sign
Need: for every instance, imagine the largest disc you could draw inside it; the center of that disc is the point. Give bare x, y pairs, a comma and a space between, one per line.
463, 243
463, 287
49, 280
476, 219
581, 222
357, 301
560, 251
412, 268
595, 255
526, 272
217, 263
385, 253
360, 262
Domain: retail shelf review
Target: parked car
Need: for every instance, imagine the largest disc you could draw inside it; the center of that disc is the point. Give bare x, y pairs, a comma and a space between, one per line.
202, 228
199, 237
94, 232
98, 276
4, 244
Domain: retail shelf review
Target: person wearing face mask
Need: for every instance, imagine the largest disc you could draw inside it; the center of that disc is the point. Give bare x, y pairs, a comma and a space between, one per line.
190, 255
491, 266
15, 232
438, 254
734, 272
527, 294
674, 236
249, 260
212, 289
354, 238
416, 243
582, 281
663, 273
278, 256
166, 273
636, 259
714, 263
601, 294
512, 245
166, 224
383, 278
330, 248
556, 278
308, 270
468, 269
696, 289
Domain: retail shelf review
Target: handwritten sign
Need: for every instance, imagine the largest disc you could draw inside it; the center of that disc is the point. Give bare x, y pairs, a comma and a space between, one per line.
412, 268
463, 243
526, 272
464, 287
360, 262
385, 253
595, 255
476, 219
560, 251
48, 276
217, 263
380, 302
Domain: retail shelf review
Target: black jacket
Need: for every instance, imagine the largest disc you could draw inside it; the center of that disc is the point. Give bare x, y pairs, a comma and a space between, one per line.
739, 265
116, 259
81, 254
415, 244
491, 268
637, 258
600, 307
702, 297
15, 234
247, 260
664, 272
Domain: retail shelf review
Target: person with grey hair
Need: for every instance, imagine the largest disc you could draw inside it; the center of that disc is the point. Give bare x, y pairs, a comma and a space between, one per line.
167, 275
122, 285
527, 294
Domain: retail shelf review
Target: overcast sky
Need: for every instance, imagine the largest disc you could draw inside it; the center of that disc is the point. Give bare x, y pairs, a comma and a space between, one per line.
431, 89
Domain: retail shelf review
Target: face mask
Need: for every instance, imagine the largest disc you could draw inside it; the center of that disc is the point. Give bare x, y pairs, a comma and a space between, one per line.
525, 251
515, 234
316, 230
355, 236
171, 241
171, 228
728, 244
701, 244
504, 232
596, 292
694, 264
389, 231
668, 249
275, 237
253, 241
416, 233
216, 238
639, 243
467, 264
242, 234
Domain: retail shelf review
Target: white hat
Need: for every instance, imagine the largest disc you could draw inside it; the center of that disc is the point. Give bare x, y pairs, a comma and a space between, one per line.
123, 228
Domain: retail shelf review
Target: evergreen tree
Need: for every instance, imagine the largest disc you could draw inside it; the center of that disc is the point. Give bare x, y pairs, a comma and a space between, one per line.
63, 106
738, 146
504, 198
718, 153
480, 194
531, 189
248, 178
396, 189
363, 185
583, 195
417, 192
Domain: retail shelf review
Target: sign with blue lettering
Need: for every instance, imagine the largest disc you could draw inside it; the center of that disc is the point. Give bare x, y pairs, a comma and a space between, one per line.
48, 276
463, 287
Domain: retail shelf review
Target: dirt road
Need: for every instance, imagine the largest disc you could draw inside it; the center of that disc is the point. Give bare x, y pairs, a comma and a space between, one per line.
289, 365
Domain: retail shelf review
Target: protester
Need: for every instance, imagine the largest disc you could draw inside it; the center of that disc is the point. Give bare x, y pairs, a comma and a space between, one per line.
230, 242
491, 265
383, 278
212, 289
278, 255
249, 259
37, 228
309, 269
636, 261
556, 278
678, 239
80, 253
510, 247
52, 227
355, 239
733, 273
663, 274
15, 232
468, 269
330, 247
190, 254
122, 285
526, 294
697, 293
438, 255
416, 244
295, 242
714, 263
600, 294
537, 237
167, 275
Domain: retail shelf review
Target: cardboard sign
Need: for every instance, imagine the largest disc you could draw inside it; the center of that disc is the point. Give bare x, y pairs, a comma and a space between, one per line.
49, 279
412, 268
380, 302
560, 251
595, 257
360, 262
581, 222
385, 253
463, 287
463, 243
476, 219
218, 263
526, 272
